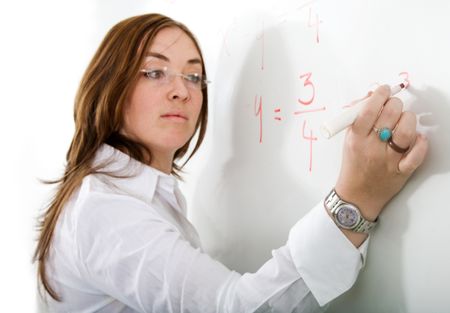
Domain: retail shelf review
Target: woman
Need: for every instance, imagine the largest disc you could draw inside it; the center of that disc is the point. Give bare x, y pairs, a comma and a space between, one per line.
115, 238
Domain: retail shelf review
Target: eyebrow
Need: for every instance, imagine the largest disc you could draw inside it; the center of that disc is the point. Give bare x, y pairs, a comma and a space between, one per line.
164, 58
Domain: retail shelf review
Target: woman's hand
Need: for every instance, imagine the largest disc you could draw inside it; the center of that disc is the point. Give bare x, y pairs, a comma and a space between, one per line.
374, 171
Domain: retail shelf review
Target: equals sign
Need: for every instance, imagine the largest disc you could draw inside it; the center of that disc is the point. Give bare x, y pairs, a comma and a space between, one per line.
277, 110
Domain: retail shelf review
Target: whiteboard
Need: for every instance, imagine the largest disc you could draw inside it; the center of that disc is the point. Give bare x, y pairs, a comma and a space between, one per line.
243, 194
282, 70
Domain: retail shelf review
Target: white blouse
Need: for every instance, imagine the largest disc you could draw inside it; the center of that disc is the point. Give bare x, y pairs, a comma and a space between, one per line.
124, 244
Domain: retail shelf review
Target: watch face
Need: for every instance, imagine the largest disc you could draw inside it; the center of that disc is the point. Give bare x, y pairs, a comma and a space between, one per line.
347, 216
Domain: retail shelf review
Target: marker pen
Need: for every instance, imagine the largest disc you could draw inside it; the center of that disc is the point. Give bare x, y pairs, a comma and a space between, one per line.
334, 126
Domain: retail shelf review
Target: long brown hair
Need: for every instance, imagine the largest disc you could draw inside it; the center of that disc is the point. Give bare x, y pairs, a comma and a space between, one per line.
99, 105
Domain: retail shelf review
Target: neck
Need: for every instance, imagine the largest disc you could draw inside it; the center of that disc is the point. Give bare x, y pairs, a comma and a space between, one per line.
163, 164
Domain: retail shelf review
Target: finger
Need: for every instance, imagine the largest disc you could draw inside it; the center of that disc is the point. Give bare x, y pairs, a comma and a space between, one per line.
390, 114
369, 113
414, 158
404, 134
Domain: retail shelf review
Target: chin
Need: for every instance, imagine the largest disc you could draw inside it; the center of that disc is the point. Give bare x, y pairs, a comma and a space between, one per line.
173, 145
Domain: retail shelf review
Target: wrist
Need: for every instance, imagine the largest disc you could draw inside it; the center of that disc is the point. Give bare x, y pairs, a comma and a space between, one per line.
368, 206
347, 215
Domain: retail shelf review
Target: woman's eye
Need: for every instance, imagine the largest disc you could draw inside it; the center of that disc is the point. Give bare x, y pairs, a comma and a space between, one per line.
155, 74
194, 78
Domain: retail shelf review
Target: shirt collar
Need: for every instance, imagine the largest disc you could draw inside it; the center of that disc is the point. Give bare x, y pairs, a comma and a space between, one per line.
140, 179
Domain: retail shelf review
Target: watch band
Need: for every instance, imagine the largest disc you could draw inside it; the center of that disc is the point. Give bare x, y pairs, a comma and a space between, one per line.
333, 203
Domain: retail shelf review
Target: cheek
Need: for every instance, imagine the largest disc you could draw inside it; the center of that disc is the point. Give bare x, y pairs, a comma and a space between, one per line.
139, 113
198, 105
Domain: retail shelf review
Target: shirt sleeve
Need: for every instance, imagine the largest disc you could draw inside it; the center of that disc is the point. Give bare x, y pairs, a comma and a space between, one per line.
328, 262
128, 252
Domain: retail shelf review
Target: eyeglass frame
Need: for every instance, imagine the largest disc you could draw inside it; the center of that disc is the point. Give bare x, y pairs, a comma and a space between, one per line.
170, 75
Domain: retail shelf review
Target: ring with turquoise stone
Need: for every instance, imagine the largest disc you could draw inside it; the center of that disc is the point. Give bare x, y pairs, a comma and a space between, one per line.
384, 133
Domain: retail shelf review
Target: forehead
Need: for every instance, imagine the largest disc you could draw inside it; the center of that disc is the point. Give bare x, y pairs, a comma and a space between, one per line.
174, 44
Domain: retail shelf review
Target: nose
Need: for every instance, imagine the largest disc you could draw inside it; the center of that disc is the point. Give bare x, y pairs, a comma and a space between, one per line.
178, 89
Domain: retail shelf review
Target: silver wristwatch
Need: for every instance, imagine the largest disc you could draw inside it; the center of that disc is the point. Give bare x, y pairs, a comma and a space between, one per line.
347, 215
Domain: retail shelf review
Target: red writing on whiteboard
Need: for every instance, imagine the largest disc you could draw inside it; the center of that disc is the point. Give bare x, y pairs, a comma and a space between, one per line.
308, 101
314, 21
277, 110
306, 84
259, 113
310, 138
374, 85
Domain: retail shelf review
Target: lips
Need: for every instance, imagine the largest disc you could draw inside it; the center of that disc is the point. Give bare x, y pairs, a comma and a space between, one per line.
175, 115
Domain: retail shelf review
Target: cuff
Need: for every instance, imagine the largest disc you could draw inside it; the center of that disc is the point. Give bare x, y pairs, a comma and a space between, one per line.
326, 260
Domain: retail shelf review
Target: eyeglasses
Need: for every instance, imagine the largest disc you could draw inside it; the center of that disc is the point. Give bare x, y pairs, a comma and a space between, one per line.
163, 76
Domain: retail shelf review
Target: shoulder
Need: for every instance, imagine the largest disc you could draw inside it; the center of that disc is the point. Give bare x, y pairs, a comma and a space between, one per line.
99, 199
101, 209
105, 218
